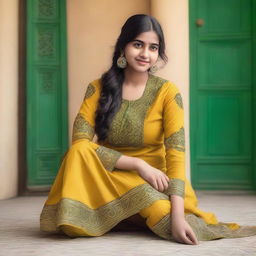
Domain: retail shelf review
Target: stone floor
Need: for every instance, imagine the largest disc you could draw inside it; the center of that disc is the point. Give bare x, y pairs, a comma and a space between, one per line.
20, 235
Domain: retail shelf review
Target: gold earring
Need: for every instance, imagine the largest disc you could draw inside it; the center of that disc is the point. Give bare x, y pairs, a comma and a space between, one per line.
153, 69
121, 61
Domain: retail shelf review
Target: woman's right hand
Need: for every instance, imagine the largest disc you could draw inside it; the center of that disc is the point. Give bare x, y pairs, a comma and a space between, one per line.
156, 178
182, 231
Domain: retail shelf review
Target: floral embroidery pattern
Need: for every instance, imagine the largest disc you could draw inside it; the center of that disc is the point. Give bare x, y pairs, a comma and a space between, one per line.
176, 140
98, 221
176, 187
108, 157
90, 91
202, 230
82, 129
131, 116
178, 100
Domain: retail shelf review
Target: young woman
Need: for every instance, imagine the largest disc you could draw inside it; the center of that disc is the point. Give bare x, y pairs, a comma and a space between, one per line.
137, 165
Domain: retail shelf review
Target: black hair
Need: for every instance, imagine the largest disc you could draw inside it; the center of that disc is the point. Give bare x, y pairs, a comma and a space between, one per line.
112, 80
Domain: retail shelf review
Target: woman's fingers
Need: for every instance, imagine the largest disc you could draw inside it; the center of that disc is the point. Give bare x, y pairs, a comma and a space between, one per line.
166, 183
183, 239
159, 180
186, 240
192, 236
154, 183
160, 185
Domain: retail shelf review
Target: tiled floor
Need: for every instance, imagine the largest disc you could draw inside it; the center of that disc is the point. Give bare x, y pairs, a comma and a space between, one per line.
20, 235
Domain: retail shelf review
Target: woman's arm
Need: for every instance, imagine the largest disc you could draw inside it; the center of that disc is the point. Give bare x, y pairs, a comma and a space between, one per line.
153, 176
177, 206
174, 139
181, 231
127, 163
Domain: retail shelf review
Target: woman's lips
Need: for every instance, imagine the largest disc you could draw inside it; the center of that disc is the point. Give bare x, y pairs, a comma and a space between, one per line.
142, 62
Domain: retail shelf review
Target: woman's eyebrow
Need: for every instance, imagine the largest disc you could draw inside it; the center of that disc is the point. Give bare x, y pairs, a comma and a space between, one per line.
143, 42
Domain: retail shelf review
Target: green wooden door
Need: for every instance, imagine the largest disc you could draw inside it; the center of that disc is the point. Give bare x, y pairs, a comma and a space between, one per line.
222, 87
47, 136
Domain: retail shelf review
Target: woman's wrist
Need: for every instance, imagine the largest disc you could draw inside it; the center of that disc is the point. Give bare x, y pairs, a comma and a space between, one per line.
177, 206
128, 163
176, 215
138, 164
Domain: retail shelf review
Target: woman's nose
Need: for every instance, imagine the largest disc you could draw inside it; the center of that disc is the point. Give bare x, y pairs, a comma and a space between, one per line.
144, 52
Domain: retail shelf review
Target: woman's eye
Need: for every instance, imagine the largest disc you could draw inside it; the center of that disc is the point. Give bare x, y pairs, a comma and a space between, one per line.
154, 48
137, 45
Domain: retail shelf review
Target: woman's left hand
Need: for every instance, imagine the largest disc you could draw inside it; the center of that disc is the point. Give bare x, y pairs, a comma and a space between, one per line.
182, 232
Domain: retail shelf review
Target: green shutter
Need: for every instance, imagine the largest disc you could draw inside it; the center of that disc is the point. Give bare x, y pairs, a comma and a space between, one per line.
47, 135
222, 85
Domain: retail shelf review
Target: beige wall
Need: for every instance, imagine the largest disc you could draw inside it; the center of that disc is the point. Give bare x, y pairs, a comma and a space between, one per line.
8, 97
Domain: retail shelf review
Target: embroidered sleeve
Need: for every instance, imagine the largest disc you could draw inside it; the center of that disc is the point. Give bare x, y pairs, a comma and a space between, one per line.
82, 129
176, 187
84, 124
108, 157
174, 140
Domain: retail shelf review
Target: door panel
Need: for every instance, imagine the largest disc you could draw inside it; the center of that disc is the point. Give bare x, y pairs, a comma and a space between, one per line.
47, 137
221, 92
229, 16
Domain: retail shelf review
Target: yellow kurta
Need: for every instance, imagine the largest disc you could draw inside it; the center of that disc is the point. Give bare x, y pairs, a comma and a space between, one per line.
90, 196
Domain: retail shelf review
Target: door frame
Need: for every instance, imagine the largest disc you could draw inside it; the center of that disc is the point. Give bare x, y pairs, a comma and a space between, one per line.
22, 170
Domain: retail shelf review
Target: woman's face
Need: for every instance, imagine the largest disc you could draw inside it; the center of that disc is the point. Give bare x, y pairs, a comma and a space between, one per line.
142, 52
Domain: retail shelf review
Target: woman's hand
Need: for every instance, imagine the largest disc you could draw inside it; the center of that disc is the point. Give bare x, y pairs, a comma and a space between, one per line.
182, 232
156, 178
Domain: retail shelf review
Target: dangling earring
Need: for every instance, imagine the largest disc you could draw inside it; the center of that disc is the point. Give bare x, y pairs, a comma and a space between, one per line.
121, 61
153, 69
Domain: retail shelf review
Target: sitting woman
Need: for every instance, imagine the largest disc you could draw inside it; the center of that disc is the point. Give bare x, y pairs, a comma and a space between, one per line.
136, 167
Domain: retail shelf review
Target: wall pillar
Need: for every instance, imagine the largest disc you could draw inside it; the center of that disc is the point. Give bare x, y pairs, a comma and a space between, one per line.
8, 98
174, 19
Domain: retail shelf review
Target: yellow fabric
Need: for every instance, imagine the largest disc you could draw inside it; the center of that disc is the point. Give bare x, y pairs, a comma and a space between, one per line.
93, 191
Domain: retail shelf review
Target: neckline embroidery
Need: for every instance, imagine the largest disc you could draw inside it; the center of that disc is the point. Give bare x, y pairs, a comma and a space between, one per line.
127, 127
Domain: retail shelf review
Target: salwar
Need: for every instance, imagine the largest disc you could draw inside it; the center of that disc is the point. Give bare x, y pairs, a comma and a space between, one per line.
88, 200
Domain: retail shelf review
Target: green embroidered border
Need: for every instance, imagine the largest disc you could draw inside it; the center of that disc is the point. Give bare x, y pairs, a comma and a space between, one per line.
202, 230
137, 110
82, 129
178, 100
176, 187
89, 92
108, 157
176, 140
98, 221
